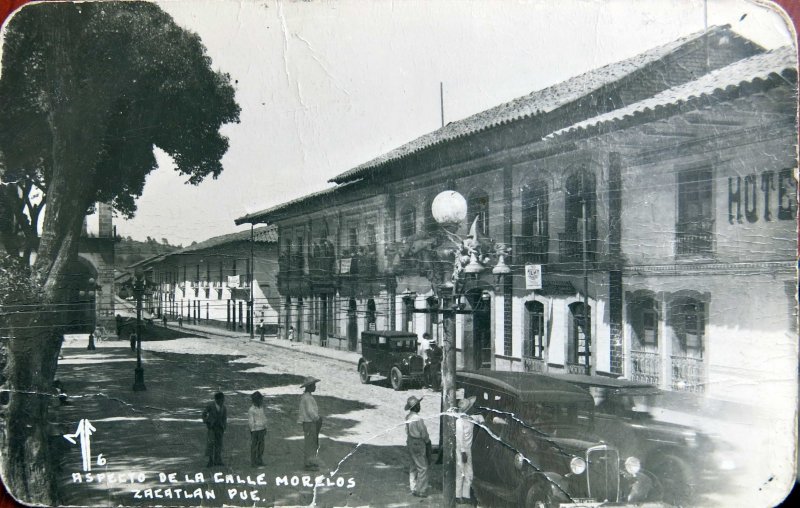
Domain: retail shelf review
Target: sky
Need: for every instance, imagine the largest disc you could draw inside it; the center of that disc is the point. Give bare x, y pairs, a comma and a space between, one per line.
327, 85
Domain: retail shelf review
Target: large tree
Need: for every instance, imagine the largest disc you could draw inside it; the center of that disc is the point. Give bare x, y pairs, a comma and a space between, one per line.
86, 92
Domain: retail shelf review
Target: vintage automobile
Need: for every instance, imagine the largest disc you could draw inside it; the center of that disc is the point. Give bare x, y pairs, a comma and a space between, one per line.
538, 448
685, 462
391, 354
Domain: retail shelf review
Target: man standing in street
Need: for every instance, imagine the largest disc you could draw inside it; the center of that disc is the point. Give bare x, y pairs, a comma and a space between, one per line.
262, 329
215, 416
311, 421
419, 448
465, 428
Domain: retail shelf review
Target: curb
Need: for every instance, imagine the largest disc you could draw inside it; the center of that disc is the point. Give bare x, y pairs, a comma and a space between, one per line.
247, 338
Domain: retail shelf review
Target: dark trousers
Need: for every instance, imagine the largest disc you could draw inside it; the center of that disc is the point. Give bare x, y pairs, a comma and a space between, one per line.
310, 442
214, 446
257, 447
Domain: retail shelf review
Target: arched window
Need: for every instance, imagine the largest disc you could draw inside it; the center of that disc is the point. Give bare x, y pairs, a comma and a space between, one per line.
533, 246
478, 206
534, 341
580, 325
408, 222
580, 217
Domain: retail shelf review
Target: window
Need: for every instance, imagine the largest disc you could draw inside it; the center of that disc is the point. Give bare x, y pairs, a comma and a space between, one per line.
579, 333
478, 206
695, 217
580, 218
370, 240
534, 242
408, 222
533, 345
643, 318
429, 223
688, 324
352, 239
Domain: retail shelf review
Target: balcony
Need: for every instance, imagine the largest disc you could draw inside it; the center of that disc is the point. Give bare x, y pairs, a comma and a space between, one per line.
646, 367
530, 249
695, 238
688, 374
570, 247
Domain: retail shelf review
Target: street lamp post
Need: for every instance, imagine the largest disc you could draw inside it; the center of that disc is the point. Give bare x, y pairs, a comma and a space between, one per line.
89, 293
449, 209
138, 293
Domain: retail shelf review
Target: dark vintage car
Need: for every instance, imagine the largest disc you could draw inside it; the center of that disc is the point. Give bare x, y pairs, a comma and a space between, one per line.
539, 449
684, 462
390, 354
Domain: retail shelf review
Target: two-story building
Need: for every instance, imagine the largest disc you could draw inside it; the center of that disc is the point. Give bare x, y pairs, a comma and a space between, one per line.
212, 281
656, 196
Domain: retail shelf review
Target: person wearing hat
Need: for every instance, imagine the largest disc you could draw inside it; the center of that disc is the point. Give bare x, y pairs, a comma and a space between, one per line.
465, 428
311, 421
257, 421
215, 416
419, 444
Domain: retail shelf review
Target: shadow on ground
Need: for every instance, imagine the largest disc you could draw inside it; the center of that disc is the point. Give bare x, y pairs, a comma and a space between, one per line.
160, 431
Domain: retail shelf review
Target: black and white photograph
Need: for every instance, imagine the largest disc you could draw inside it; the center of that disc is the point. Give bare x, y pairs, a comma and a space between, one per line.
494, 253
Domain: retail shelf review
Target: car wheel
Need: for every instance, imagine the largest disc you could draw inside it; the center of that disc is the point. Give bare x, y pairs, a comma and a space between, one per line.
396, 378
363, 373
673, 475
535, 498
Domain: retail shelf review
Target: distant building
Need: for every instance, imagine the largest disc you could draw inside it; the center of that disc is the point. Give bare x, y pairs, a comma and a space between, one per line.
656, 195
210, 282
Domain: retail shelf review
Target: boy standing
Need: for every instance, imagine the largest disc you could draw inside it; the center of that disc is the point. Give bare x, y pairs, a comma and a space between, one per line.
258, 429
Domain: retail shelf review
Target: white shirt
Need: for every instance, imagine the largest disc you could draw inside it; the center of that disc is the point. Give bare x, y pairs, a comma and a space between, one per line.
256, 418
465, 431
309, 412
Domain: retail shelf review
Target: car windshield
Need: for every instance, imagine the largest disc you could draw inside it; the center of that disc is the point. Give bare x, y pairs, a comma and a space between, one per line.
558, 419
409, 344
618, 402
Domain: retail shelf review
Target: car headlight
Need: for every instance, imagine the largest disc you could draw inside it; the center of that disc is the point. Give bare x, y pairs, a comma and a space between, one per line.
519, 461
690, 437
577, 465
633, 466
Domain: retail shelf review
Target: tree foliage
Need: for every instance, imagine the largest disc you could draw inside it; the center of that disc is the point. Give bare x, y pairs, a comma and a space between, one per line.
87, 90
113, 81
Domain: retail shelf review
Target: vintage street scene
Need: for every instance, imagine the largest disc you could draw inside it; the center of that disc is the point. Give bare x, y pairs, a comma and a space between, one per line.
362, 253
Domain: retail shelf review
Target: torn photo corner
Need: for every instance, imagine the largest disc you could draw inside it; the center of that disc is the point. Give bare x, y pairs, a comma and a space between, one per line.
366, 253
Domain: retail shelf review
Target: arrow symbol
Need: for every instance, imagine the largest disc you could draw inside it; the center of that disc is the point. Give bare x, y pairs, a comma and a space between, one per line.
84, 433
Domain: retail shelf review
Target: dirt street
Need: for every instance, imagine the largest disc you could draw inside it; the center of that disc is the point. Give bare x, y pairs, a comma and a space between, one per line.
153, 442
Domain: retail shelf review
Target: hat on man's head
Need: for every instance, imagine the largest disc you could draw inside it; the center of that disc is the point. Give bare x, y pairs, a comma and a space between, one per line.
256, 396
413, 401
308, 381
465, 405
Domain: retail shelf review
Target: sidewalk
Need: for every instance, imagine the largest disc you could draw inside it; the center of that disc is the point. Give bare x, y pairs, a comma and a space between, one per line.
159, 431
350, 357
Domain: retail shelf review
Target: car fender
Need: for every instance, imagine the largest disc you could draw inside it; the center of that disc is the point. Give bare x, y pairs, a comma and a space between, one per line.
361, 362
547, 481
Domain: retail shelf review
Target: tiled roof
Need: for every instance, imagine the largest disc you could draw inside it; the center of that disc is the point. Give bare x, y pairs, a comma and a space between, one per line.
748, 70
263, 215
527, 106
266, 234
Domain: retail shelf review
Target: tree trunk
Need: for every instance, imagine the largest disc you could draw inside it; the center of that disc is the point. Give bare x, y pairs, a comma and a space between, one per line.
37, 335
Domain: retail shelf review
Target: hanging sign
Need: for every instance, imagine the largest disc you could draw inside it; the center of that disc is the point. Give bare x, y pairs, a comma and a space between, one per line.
344, 266
533, 276
233, 281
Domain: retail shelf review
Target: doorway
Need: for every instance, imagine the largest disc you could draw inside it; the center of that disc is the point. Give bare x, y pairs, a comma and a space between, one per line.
478, 347
352, 325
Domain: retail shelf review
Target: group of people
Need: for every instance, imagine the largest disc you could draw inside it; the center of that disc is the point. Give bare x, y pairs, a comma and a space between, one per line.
418, 443
215, 416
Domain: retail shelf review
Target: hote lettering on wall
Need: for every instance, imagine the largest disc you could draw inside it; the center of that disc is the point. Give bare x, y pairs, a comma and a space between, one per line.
746, 197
